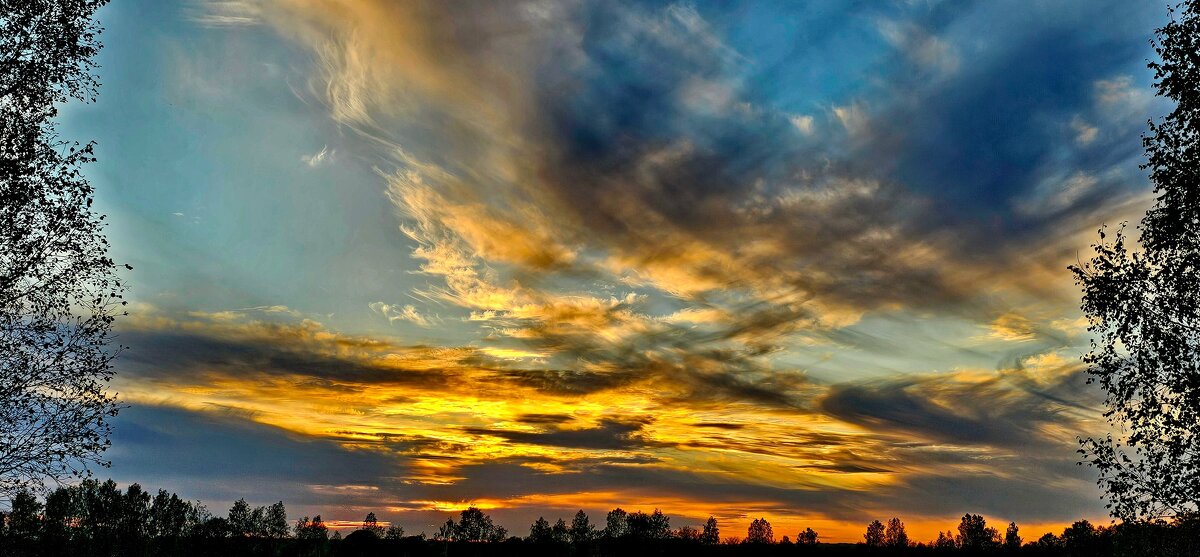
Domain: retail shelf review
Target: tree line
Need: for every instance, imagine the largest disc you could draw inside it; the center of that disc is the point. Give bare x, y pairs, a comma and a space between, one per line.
97, 518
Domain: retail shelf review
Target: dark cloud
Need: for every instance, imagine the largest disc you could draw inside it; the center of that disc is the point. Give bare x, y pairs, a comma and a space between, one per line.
166, 353
968, 413
545, 419
610, 434
218, 456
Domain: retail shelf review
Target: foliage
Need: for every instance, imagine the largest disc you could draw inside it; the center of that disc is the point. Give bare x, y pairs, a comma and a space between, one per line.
895, 535
1012, 536
581, 530
874, 535
473, 526
616, 523
711, 534
59, 293
759, 531
1144, 308
371, 524
974, 534
807, 537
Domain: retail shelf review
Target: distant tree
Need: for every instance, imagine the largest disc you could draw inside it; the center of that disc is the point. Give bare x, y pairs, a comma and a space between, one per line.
616, 523
59, 293
100, 504
731, 540
1012, 537
168, 516
1048, 541
314, 529
687, 534
393, 532
212, 527
59, 518
785, 541
945, 540
539, 531
23, 521
241, 519
874, 535
446, 531
759, 532
1080, 538
560, 533
1143, 308
653, 526
807, 537
371, 524
974, 534
134, 516
582, 530
474, 526
894, 535
711, 534
275, 524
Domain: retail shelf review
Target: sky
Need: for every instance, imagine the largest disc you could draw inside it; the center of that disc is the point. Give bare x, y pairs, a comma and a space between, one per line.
803, 261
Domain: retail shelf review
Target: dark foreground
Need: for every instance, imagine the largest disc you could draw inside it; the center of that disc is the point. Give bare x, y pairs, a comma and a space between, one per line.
1139, 540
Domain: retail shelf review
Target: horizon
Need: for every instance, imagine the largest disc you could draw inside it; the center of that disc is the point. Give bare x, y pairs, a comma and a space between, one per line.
805, 263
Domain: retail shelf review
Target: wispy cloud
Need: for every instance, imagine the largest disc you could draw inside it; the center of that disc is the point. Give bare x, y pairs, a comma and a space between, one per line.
322, 157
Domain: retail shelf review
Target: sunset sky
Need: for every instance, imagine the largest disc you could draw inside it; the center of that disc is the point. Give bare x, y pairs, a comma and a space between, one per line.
804, 261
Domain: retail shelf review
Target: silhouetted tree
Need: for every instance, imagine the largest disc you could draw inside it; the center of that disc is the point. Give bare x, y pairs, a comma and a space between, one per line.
616, 523
241, 521
711, 534
807, 537
539, 531
169, 516
653, 526
687, 534
894, 535
314, 529
134, 515
101, 506
58, 290
874, 535
371, 524
1012, 537
945, 540
393, 532
582, 530
275, 524
1048, 541
760, 531
1144, 309
59, 517
974, 534
559, 533
1079, 538
446, 531
22, 523
474, 526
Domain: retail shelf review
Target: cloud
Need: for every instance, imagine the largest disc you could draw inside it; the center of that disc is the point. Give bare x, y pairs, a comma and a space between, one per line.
610, 434
320, 158
947, 409
226, 13
1084, 133
803, 123
406, 313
